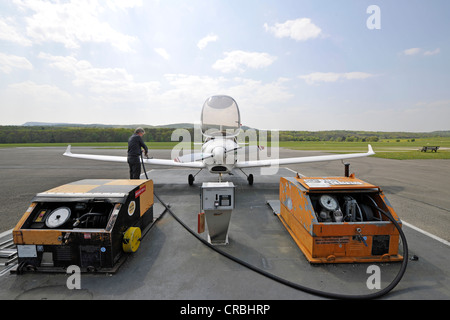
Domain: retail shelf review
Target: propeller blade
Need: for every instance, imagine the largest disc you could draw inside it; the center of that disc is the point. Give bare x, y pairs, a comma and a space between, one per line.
252, 149
231, 150
193, 157
249, 149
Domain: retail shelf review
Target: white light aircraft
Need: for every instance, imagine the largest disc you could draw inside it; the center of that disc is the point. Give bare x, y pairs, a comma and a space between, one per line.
221, 124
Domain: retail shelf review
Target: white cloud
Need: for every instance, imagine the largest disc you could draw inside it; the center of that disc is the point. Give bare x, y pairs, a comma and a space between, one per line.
439, 104
241, 60
123, 5
420, 51
29, 101
357, 75
163, 53
107, 84
248, 91
10, 62
255, 94
315, 77
300, 29
112, 95
432, 53
412, 51
43, 92
187, 93
206, 40
74, 22
9, 32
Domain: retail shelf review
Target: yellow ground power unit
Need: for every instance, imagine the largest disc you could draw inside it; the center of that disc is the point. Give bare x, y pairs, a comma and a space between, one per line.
88, 223
339, 220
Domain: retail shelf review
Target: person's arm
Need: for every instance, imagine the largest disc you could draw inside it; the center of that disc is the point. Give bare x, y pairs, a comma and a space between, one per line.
143, 145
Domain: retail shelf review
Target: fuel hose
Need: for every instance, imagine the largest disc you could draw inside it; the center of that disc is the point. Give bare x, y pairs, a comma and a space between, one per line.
319, 293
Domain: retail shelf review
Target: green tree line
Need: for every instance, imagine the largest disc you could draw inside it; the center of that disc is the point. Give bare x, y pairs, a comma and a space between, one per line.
54, 134
19, 134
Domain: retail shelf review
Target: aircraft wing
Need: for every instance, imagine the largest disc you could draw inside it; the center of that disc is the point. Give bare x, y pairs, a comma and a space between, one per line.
274, 162
159, 162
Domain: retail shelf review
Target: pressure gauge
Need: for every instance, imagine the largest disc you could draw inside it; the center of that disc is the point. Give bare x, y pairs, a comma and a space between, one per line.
328, 202
58, 217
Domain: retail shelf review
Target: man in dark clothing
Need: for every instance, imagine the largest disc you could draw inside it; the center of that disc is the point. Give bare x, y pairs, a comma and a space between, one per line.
135, 143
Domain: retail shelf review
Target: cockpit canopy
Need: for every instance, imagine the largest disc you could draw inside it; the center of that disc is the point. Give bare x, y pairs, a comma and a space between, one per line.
221, 117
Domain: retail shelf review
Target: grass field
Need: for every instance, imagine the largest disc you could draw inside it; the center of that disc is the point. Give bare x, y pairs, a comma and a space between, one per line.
390, 149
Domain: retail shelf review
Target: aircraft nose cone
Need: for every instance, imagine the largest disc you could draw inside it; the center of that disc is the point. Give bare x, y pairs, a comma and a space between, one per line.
219, 155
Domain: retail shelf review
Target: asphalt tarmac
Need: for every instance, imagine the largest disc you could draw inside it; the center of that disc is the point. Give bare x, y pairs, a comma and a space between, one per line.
418, 189
173, 265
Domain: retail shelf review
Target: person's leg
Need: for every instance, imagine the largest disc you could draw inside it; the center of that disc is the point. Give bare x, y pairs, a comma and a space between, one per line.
135, 168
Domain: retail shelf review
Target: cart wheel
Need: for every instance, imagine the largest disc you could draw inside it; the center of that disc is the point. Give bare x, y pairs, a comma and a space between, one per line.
131, 240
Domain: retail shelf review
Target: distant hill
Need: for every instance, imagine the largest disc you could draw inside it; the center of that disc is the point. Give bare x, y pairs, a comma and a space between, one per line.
97, 125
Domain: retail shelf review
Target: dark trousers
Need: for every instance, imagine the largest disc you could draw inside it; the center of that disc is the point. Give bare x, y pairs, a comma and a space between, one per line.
135, 167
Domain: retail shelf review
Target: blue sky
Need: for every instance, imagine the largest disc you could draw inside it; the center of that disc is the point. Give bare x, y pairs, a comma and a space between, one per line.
290, 65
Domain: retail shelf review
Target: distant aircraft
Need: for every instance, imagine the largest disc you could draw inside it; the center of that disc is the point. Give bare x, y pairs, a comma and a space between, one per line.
221, 124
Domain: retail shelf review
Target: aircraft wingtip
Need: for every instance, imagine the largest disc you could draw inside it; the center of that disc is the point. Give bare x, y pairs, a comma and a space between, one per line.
68, 150
371, 149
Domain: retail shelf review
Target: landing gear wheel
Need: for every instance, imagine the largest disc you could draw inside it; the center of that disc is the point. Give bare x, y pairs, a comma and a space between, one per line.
131, 240
250, 179
191, 180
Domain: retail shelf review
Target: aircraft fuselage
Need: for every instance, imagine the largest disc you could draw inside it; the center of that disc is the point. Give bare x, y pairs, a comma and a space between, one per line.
223, 151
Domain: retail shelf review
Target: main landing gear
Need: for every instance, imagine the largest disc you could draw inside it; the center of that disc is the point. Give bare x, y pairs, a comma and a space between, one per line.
191, 178
249, 177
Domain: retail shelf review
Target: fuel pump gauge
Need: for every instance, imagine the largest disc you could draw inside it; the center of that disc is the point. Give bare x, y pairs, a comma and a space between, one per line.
328, 202
58, 218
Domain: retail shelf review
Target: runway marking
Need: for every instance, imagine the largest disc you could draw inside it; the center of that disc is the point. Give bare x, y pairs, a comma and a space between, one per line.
142, 176
6, 233
447, 243
301, 175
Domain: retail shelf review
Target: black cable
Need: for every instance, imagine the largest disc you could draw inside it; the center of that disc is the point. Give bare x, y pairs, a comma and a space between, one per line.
143, 166
320, 293
330, 295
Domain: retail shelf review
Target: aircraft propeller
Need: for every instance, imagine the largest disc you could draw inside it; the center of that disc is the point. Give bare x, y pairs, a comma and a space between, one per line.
192, 157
